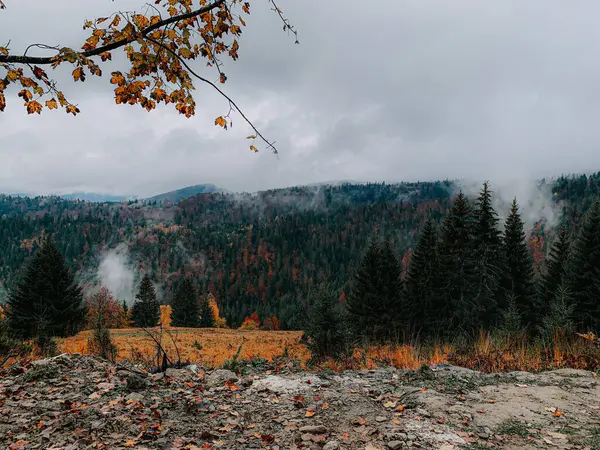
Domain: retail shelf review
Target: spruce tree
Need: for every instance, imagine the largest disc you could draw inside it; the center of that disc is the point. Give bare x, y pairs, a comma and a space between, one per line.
555, 270
46, 302
375, 300
583, 273
207, 316
517, 278
421, 282
559, 315
145, 311
457, 313
487, 250
185, 308
327, 328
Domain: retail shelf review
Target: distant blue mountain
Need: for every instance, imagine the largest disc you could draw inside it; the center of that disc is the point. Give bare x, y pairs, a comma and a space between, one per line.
95, 197
186, 192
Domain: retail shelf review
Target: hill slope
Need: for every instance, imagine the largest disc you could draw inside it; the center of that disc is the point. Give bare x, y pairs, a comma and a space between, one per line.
263, 252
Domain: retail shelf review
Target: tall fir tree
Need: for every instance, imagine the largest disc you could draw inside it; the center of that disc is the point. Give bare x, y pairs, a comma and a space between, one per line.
554, 274
458, 276
145, 311
47, 301
487, 249
185, 311
375, 301
583, 272
422, 283
517, 279
207, 315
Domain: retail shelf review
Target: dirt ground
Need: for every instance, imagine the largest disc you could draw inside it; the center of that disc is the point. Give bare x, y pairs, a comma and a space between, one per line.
81, 402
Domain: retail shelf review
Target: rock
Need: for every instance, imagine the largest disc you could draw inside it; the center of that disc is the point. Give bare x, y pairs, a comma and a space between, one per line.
395, 445
380, 419
219, 377
422, 412
313, 429
135, 382
411, 437
135, 396
332, 445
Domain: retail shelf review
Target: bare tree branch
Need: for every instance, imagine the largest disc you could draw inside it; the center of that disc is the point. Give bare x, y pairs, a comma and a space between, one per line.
40, 60
214, 86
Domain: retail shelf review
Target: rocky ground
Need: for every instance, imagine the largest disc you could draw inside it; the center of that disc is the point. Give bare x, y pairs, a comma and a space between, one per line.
78, 401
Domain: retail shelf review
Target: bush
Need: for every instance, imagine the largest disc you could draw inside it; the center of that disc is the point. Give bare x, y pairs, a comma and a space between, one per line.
101, 344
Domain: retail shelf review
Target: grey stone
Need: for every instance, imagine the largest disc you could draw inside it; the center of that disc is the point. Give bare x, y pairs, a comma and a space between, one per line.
332, 445
395, 445
219, 377
314, 429
135, 396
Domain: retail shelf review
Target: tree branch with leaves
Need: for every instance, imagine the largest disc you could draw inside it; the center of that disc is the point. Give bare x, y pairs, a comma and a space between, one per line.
159, 44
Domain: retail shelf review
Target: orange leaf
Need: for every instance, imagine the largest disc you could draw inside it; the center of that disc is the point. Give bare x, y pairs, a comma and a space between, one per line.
310, 413
79, 74
2, 102
33, 107
220, 121
254, 149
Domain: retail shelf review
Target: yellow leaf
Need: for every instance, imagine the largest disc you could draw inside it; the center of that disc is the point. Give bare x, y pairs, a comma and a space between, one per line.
251, 137
116, 21
220, 121
254, 149
12, 75
3, 51
2, 102
51, 104
101, 19
72, 109
33, 107
310, 413
78, 74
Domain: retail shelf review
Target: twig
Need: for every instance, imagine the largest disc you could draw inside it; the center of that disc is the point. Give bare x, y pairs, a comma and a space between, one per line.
214, 86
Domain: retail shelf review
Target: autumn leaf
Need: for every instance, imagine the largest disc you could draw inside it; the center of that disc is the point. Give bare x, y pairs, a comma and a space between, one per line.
116, 21
310, 413
72, 109
254, 149
117, 78
34, 107
221, 121
3, 51
2, 102
79, 74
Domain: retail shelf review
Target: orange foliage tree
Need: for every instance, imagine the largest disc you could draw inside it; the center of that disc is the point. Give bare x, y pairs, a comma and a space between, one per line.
159, 45
220, 322
251, 323
104, 307
165, 315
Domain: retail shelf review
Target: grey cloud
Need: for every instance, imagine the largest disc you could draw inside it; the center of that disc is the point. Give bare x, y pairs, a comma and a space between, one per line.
400, 90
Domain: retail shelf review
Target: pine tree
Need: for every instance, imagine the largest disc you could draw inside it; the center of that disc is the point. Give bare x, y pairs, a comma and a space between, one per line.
583, 273
457, 313
556, 268
517, 278
145, 312
487, 249
327, 329
207, 316
421, 282
558, 319
375, 301
185, 308
47, 301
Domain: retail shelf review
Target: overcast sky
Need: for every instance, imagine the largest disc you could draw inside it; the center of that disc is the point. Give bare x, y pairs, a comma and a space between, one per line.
399, 90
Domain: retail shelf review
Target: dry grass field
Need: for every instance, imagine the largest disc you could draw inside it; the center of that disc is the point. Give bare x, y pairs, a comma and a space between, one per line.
210, 346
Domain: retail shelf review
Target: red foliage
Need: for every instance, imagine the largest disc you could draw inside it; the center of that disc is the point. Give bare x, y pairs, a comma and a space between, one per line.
104, 306
271, 323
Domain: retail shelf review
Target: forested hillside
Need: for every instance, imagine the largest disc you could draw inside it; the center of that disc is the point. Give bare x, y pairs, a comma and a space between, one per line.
263, 253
